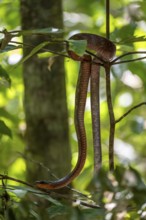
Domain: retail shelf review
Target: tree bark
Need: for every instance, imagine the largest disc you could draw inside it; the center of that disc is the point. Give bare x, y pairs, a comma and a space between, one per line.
45, 104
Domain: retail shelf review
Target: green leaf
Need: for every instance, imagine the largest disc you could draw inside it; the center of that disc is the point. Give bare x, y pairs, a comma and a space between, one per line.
50, 199
94, 213
126, 44
140, 183
125, 48
78, 46
57, 210
45, 55
132, 39
5, 114
34, 51
49, 31
137, 125
2, 218
20, 191
4, 130
10, 47
4, 78
119, 173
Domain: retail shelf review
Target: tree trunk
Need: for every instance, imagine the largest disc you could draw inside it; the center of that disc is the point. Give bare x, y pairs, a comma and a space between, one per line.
45, 97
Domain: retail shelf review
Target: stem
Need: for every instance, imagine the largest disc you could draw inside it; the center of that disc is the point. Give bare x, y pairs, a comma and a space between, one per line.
111, 117
2, 177
42, 49
108, 19
130, 110
126, 54
128, 61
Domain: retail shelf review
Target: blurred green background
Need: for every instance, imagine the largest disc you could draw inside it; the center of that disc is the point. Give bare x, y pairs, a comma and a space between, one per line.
127, 22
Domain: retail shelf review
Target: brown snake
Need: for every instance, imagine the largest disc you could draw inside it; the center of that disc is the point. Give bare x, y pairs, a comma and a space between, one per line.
89, 68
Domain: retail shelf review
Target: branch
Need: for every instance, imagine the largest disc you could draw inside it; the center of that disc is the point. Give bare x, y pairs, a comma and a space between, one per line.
130, 110
127, 61
107, 19
6, 177
91, 204
43, 49
53, 194
127, 54
57, 195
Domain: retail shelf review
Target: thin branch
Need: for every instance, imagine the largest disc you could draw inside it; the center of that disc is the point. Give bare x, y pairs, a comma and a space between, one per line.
93, 206
43, 49
2, 177
128, 61
53, 194
127, 54
108, 19
130, 110
90, 203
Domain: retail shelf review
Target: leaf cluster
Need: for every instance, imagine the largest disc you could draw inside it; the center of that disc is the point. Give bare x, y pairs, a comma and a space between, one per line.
110, 195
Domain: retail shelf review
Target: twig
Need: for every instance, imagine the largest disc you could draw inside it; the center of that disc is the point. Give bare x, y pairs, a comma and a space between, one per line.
90, 204
130, 110
55, 195
43, 49
93, 206
7, 38
51, 193
128, 61
108, 19
127, 54
2, 177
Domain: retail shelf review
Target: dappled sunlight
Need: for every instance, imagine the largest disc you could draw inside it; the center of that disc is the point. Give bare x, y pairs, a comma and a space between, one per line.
70, 19
14, 58
17, 169
125, 100
131, 80
125, 152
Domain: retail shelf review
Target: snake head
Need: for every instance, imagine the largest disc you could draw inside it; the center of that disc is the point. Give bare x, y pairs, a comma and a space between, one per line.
101, 47
42, 182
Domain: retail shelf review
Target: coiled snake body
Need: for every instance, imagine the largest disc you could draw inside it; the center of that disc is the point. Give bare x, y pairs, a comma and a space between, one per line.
89, 67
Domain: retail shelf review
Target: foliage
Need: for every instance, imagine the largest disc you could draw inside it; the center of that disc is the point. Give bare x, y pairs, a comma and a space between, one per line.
121, 195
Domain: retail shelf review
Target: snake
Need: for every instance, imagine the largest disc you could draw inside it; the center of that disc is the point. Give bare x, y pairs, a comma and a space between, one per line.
104, 51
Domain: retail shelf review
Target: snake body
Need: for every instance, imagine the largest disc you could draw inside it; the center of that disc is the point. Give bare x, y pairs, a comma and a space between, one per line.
105, 50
